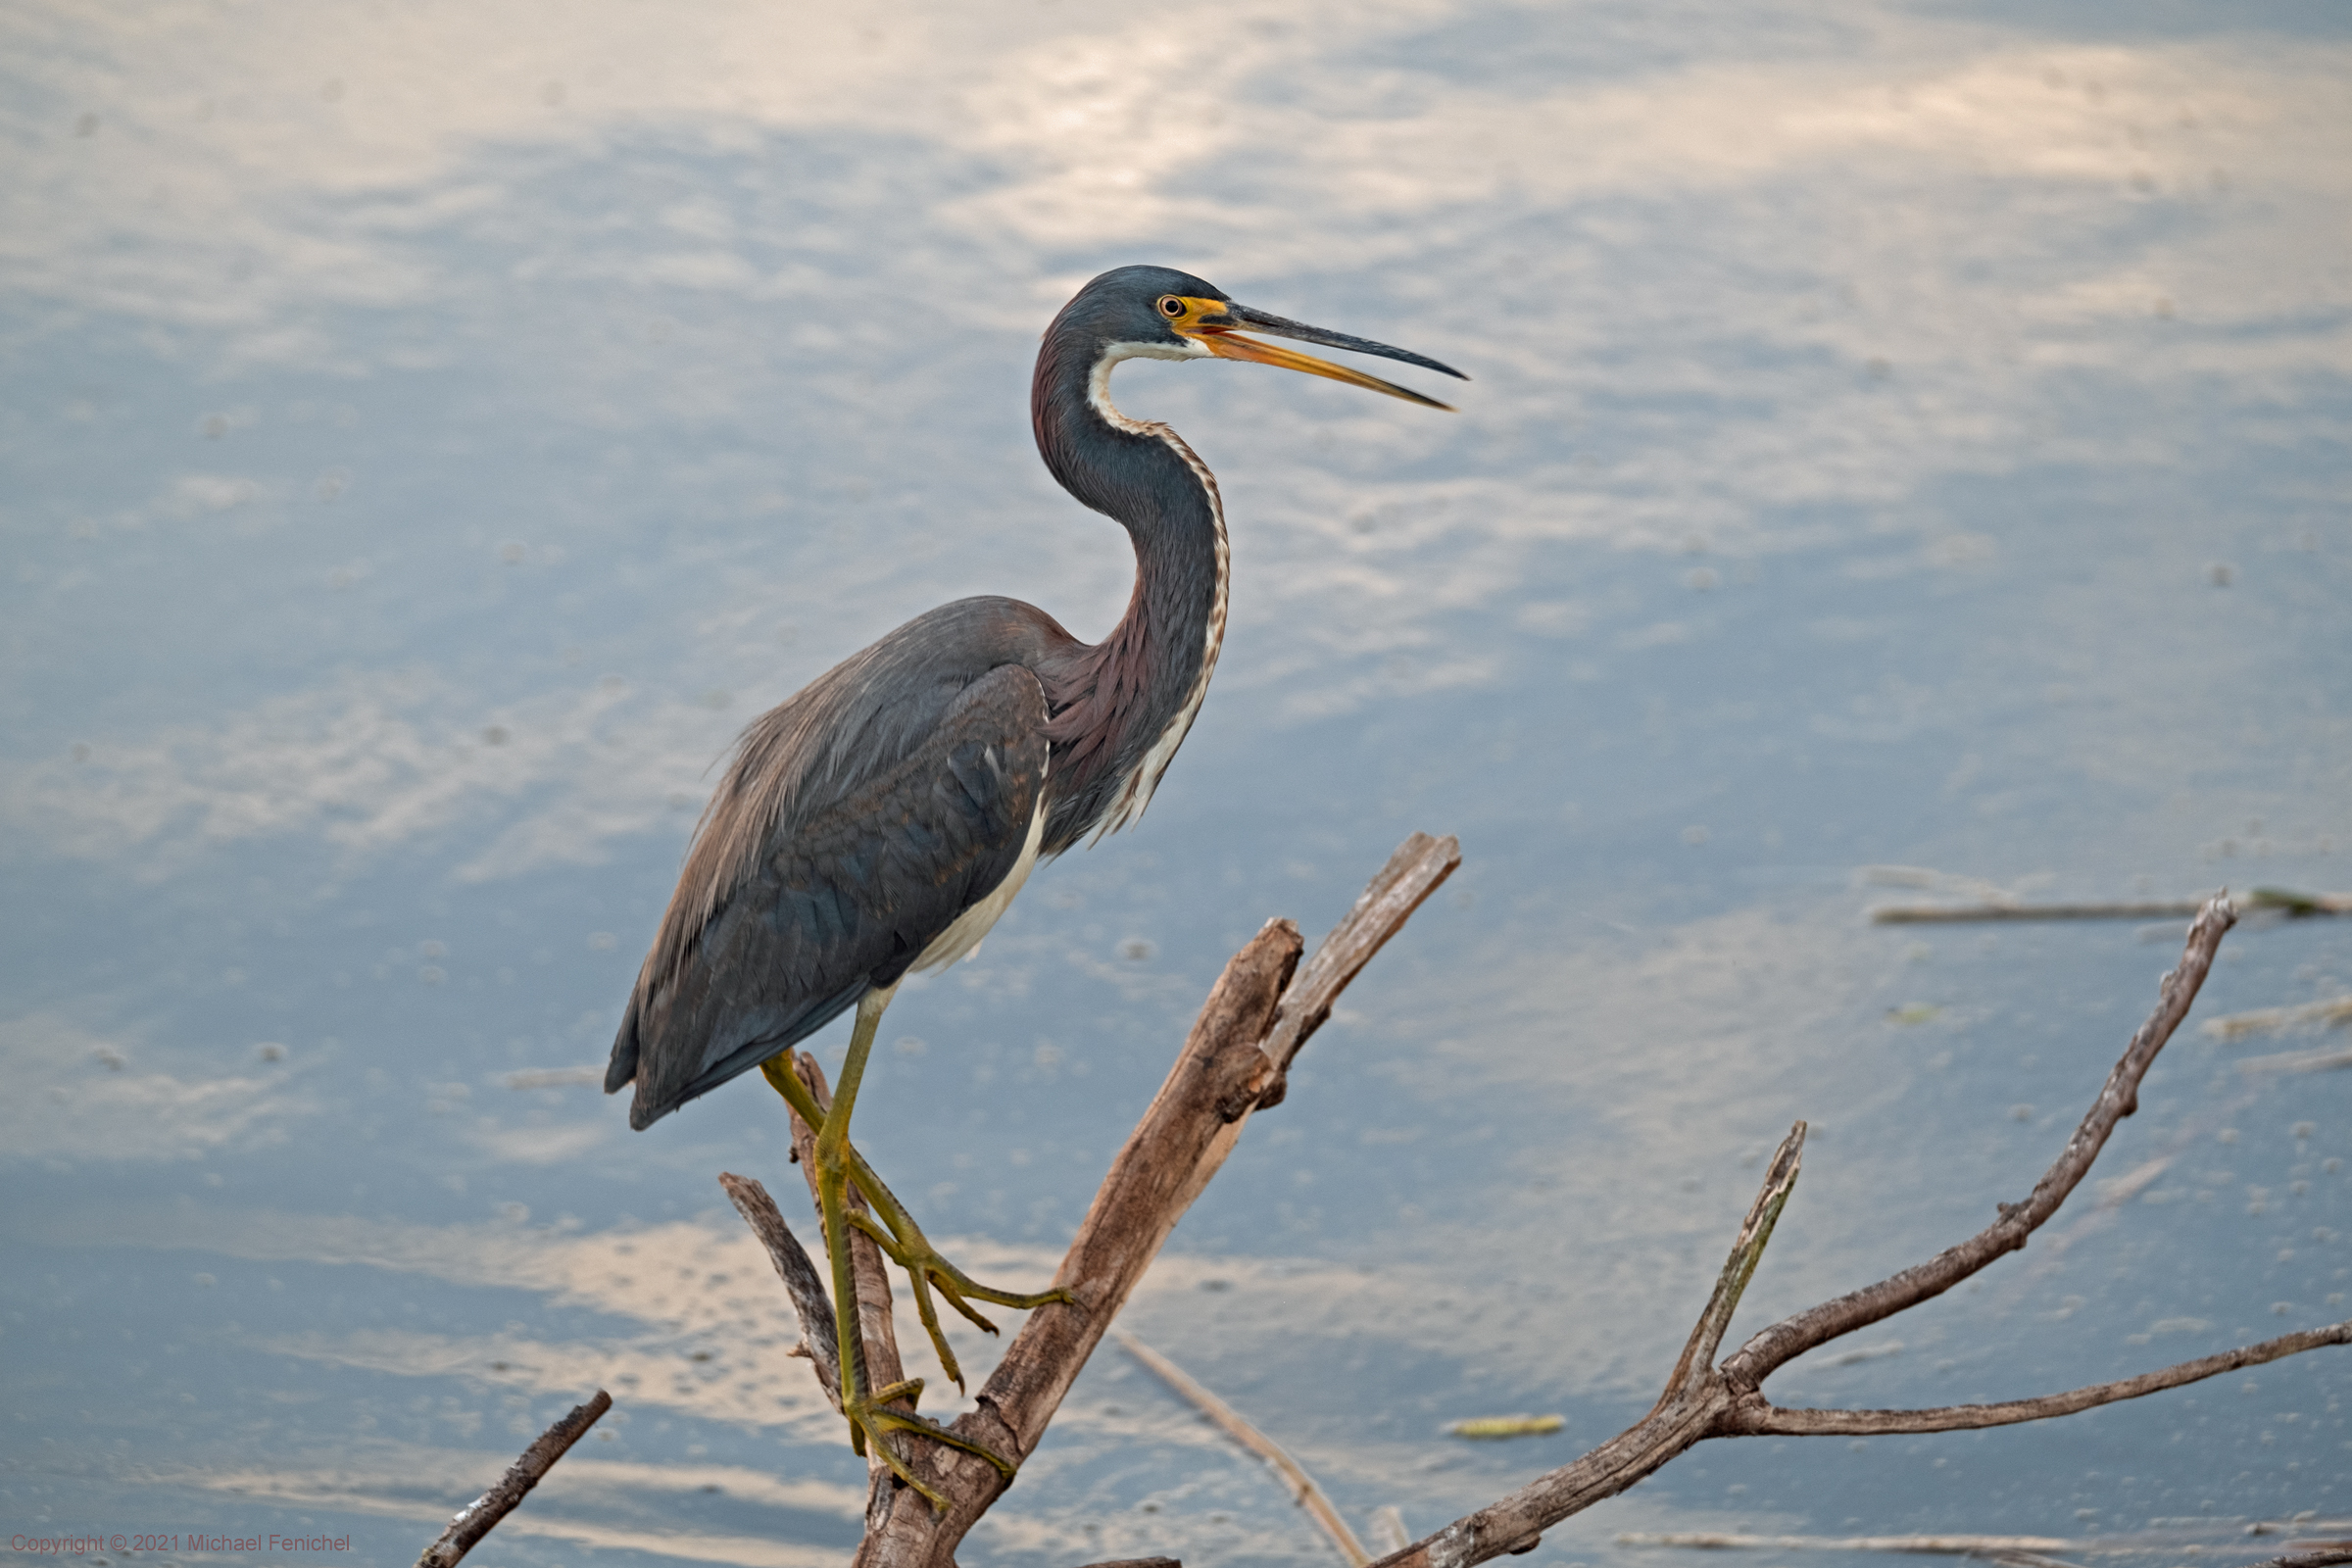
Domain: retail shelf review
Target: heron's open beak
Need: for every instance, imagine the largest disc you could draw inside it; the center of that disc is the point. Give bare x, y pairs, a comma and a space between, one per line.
1216, 331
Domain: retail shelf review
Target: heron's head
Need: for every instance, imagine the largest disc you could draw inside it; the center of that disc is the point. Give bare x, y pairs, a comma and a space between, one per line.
1158, 312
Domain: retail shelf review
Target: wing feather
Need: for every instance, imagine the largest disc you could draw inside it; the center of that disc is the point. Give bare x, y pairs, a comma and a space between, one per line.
848, 886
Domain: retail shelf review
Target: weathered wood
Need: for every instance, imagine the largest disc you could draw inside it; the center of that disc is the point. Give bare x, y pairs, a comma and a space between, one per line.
1704, 1401
1412, 874
478, 1518
2327, 1556
1747, 1250
2296, 906
1255, 1021
807, 1288
1773, 1420
1303, 1490
1183, 1137
2119, 1098
1261, 1010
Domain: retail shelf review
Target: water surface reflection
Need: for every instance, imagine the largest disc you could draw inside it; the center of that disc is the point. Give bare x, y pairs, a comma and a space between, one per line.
1902, 435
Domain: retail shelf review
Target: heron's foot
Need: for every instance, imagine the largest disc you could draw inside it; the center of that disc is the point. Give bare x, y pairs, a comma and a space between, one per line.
872, 1419
901, 1239
905, 1244
832, 1162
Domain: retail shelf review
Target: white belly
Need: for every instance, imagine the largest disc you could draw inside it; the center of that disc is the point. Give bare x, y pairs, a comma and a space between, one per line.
973, 923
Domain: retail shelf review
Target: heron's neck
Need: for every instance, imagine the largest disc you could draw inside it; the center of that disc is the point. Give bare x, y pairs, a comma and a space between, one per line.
1125, 712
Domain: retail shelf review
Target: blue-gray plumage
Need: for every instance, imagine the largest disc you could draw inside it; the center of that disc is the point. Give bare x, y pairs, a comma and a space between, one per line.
882, 817
870, 811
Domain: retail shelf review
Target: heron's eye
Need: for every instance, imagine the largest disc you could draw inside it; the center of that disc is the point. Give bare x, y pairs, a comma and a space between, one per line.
1170, 306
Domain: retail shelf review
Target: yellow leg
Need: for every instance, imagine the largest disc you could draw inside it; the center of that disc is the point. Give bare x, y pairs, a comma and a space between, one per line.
904, 1241
868, 1412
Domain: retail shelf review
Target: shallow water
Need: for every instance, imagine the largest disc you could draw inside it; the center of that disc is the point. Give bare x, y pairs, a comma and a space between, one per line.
1901, 436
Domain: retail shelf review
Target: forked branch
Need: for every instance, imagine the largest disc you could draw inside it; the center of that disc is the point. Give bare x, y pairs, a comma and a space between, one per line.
1787, 1339
1256, 1019
1747, 1250
1262, 1009
1702, 1401
1761, 1419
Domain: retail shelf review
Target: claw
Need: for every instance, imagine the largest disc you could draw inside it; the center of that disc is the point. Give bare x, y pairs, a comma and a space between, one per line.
956, 1301
870, 1421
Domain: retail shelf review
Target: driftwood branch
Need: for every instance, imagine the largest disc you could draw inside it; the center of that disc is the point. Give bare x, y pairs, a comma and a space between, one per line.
802, 1282
1303, 1490
2002, 1548
1996, 1548
478, 1517
1262, 1009
1411, 875
1770, 1419
2286, 900
1261, 1012
2015, 1549
2119, 1098
1747, 1250
1970, 914
1702, 1401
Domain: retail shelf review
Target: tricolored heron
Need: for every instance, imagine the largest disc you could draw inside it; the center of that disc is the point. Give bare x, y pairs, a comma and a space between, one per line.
882, 819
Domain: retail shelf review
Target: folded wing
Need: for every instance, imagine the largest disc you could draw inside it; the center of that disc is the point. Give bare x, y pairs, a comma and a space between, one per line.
851, 884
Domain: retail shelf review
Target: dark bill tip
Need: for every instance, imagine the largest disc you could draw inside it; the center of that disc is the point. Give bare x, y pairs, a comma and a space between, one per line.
1278, 327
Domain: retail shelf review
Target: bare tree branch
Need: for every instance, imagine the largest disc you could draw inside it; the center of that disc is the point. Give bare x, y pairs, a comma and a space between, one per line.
807, 1287
2296, 906
2326, 1556
1303, 1490
478, 1518
1253, 1026
2171, 1542
1764, 1419
1748, 1249
1219, 1079
1965, 913
1785, 1341
2000, 1547
1702, 1401
1183, 1139
1411, 875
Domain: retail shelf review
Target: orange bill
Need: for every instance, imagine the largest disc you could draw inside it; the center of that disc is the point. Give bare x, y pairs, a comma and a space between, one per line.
1227, 344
